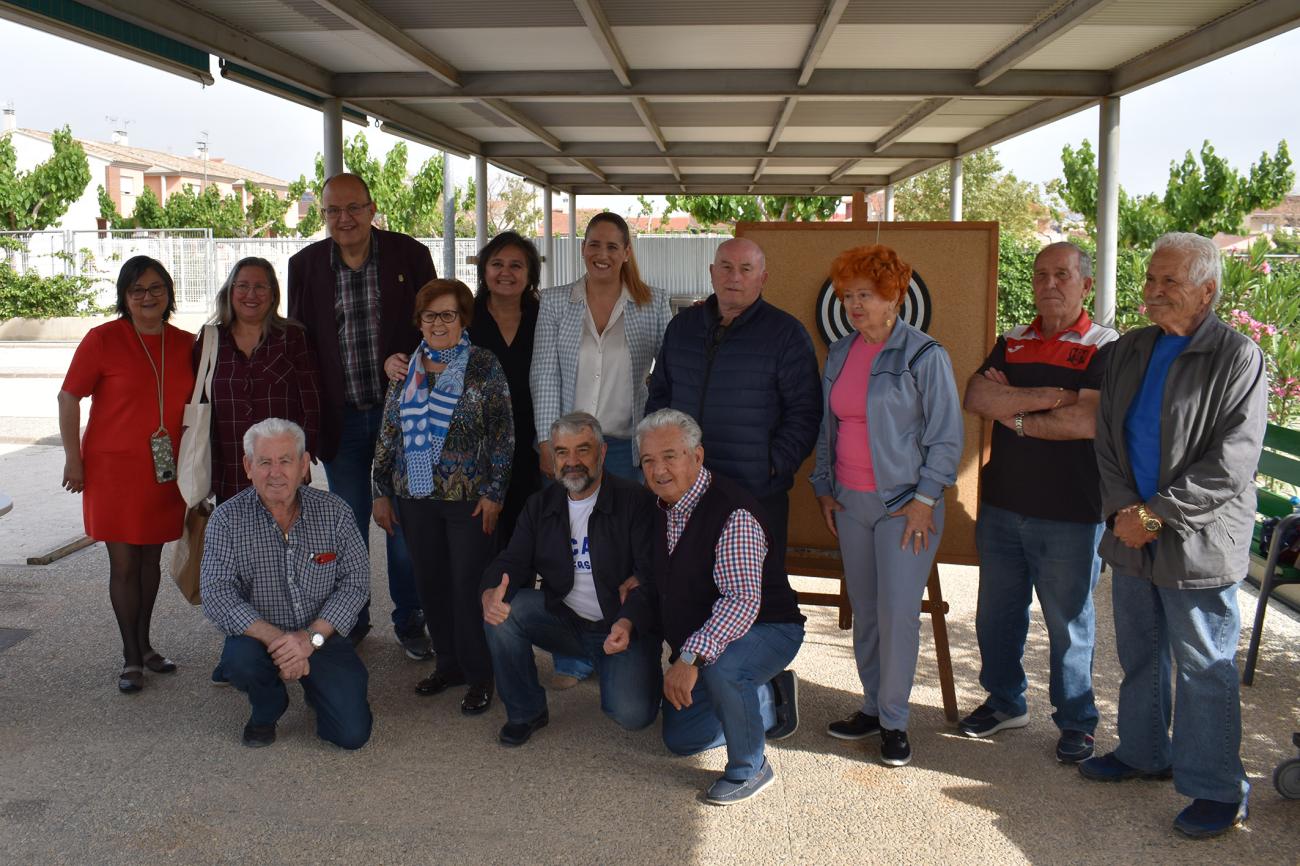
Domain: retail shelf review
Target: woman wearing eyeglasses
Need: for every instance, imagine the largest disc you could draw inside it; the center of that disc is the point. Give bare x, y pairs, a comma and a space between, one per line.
264, 369
441, 470
137, 372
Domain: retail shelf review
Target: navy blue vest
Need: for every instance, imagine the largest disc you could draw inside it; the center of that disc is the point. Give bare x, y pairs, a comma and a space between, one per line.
685, 578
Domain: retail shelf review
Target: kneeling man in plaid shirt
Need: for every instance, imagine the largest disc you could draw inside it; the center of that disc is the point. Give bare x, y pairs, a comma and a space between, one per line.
284, 575
723, 602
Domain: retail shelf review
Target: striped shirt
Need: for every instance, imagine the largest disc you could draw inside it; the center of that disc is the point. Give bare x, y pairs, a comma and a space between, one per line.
737, 571
356, 310
252, 571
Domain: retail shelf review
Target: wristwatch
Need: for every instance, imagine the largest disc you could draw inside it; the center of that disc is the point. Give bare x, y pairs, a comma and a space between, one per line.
1150, 522
1020, 423
693, 659
317, 639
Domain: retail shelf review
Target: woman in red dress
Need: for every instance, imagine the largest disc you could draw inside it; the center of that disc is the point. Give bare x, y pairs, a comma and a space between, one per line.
137, 372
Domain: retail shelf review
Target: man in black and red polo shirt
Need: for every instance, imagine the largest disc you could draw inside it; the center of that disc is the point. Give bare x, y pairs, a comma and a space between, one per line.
1040, 503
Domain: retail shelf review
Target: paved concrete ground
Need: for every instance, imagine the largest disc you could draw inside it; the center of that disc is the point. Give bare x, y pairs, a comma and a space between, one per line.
91, 776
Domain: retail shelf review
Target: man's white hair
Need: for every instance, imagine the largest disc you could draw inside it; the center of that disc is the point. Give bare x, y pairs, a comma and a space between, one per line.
270, 429
670, 418
1205, 264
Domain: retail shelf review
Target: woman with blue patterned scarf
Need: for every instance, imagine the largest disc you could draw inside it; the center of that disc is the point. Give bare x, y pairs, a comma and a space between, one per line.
442, 466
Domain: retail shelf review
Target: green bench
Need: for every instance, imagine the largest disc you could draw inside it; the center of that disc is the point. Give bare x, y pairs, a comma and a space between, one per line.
1280, 461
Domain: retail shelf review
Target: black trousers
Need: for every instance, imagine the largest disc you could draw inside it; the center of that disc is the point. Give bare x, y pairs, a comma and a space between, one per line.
450, 552
776, 511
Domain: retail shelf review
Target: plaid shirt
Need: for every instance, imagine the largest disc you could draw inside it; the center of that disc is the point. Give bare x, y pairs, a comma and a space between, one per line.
251, 570
356, 307
277, 381
737, 570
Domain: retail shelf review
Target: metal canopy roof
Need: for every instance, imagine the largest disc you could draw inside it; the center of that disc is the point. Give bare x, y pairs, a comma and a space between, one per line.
726, 96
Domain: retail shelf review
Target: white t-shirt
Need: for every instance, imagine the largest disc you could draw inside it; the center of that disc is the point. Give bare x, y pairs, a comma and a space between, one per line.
582, 598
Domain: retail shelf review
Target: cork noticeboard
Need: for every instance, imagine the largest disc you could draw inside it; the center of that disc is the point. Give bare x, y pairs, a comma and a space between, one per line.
953, 298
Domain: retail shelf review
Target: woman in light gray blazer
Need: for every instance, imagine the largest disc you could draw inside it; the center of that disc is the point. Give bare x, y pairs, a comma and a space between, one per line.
596, 339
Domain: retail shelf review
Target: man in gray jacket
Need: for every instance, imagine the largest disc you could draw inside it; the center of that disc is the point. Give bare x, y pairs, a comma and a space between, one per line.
1179, 432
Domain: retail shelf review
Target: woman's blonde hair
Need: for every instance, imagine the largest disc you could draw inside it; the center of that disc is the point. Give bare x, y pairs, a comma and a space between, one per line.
636, 287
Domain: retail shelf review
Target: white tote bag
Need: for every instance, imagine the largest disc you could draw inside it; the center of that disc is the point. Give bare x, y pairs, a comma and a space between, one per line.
194, 459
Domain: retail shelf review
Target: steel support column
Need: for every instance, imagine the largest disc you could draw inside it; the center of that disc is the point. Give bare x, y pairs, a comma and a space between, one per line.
575, 252
332, 115
480, 202
889, 203
548, 240
448, 220
1107, 211
954, 201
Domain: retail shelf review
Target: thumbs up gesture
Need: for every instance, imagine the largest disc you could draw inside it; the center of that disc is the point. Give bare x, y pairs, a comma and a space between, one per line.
495, 609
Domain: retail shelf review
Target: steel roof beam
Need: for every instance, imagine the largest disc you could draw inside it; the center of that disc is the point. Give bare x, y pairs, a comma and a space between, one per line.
829, 151
563, 85
603, 34
911, 120
774, 140
438, 134
648, 120
1022, 121
517, 118
362, 17
1055, 26
215, 36
1239, 29
830, 20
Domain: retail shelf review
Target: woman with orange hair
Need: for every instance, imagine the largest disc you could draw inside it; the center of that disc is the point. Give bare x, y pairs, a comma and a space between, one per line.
890, 441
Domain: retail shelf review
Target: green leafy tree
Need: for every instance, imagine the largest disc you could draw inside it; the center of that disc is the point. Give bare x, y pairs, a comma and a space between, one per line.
37, 199
148, 213
989, 193
405, 203
1204, 195
108, 210
264, 216
712, 210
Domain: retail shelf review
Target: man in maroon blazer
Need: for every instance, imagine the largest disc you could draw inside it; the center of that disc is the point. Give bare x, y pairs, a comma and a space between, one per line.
355, 294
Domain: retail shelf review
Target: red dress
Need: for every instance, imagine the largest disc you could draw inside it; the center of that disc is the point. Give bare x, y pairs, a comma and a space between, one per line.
122, 501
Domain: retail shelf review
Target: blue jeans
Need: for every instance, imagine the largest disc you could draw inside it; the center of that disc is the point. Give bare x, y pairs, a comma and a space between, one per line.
349, 476
631, 682
335, 688
1021, 555
731, 703
1198, 630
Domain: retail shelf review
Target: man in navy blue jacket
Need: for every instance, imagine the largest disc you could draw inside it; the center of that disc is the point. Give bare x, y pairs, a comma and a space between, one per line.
746, 372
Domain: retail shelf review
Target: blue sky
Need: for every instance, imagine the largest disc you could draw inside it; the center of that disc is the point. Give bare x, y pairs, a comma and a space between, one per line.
1244, 103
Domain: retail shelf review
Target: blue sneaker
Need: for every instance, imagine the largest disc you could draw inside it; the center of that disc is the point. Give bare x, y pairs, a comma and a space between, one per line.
1109, 768
1205, 818
725, 792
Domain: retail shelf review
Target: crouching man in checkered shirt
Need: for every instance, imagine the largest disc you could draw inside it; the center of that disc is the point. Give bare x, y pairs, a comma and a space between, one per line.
284, 575
724, 604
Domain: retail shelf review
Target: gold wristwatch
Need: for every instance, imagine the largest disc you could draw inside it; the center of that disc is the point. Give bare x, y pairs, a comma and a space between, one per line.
1150, 522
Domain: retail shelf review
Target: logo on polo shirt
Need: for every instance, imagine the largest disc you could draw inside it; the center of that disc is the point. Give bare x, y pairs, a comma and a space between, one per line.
833, 322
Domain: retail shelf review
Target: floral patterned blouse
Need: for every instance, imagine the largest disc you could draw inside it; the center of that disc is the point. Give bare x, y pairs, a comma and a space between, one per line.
480, 441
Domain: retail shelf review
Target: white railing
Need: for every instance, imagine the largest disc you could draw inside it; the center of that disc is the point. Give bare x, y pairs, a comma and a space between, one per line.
199, 263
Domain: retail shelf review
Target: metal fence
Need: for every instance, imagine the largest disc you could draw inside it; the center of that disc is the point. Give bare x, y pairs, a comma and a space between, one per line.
199, 263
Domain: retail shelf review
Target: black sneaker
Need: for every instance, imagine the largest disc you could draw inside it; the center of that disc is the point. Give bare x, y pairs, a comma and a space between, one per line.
1073, 747
785, 693
894, 748
415, 644
257, 736
986, 721
858, 726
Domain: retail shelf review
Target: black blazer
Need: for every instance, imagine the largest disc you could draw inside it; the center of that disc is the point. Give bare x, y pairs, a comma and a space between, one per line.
619, 531
404, 267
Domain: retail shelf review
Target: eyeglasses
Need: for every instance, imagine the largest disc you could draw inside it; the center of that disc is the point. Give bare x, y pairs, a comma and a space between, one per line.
252, 288
428, 317
354, 210
138, 293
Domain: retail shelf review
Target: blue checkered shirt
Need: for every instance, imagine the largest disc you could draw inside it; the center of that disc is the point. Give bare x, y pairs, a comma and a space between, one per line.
251, 570
737, 571
356, 309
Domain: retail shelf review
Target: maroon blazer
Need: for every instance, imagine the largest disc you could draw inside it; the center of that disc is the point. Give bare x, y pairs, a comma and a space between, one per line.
404, 267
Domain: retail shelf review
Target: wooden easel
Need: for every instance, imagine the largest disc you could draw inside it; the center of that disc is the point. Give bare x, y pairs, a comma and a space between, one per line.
815, 562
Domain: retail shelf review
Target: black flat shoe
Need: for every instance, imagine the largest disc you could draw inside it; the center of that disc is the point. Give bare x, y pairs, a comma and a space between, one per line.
131, 679
477, 699
160, 664
257, 736
437, 683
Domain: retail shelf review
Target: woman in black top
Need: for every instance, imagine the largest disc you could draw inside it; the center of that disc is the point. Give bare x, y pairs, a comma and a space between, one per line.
505, 318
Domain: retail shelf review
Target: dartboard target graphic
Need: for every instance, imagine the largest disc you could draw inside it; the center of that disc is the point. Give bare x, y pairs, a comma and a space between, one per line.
833, 322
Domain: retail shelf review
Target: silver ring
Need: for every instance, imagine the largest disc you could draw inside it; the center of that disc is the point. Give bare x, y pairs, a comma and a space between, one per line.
918, 532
